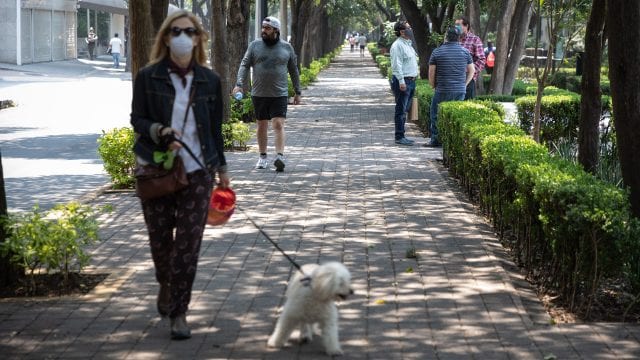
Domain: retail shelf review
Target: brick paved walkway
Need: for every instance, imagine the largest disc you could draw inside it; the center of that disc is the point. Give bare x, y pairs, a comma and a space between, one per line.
350, 194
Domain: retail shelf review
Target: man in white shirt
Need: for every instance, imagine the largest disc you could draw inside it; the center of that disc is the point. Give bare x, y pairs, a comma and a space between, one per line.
115, 45
404, 66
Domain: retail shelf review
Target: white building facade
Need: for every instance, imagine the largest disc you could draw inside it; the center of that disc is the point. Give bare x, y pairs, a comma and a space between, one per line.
46, 30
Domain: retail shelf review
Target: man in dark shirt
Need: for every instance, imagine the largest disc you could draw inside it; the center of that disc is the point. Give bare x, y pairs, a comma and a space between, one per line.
450, 71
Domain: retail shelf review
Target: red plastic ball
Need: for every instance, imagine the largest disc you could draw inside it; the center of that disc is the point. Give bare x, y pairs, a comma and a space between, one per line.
221, 206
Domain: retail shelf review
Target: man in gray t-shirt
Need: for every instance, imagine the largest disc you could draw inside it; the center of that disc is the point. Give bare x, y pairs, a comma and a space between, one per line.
272, 59
362, 41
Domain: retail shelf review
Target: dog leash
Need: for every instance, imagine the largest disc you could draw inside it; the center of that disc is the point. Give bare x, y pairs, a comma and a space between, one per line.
305, 278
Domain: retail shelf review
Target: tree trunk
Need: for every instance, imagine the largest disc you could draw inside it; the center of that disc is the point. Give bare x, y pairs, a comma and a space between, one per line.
219, 56
198, 8
9, 273
312, 47
591, 103
502, 47
624, 74
142, 34
420, 26
159, 10
520, 29
238, 19
492, 21
300, 14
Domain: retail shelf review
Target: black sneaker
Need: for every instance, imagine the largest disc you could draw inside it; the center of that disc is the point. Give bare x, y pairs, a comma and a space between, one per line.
279, 163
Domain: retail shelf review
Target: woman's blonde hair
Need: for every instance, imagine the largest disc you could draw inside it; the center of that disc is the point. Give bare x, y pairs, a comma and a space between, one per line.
160, 50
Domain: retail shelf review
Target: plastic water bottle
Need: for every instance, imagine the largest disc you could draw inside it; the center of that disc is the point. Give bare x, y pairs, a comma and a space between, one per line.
238, 96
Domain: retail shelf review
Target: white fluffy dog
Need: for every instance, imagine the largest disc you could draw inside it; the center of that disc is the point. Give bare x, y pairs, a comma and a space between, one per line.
312, 302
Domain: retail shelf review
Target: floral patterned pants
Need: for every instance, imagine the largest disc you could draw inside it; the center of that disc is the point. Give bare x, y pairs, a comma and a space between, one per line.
175, 253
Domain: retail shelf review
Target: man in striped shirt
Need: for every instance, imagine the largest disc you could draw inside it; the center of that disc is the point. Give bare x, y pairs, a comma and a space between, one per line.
450, 71
472, 42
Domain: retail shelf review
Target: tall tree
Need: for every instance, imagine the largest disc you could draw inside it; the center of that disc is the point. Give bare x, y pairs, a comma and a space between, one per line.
591, 103
141, 33
159, 10
300, 16
219, 56
502, 46
238, 20
8, 272
145, 18
517, 41
624, 74
440, 13
555, 14
386, 9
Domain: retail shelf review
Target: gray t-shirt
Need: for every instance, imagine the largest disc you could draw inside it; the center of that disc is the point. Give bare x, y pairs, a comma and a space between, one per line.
270, 67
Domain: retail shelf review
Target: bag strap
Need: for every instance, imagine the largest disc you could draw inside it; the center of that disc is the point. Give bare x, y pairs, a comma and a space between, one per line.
184, 124
186, 147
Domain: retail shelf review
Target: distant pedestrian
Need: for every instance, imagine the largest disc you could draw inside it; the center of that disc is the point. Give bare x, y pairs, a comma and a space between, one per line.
92, 38
271, 59
450, 71
178, 96
352, 42
490, 54
115, 45
362, 41
404, 66
471, 42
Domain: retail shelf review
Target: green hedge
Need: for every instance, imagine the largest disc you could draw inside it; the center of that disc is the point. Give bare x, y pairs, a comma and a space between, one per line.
424, 93
559, 113
563, 224
568, 81
519, 86
384, 64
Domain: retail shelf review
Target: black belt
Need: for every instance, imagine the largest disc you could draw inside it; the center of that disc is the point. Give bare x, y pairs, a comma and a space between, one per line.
409, 78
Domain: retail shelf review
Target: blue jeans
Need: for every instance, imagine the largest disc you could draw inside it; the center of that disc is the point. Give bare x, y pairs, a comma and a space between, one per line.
438, 97
116, 60
403, 102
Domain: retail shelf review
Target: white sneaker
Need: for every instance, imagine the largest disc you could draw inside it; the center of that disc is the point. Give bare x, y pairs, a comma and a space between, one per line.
262, 163
279, 163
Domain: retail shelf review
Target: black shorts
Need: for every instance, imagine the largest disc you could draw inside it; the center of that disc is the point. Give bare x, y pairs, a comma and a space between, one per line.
267, 108
362, 47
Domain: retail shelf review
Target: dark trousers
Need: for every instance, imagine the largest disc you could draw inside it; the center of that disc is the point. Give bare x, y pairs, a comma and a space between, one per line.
176, 256
471, 90
91, 46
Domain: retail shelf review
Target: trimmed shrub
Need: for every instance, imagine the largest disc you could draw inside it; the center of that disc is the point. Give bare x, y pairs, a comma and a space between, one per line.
559, 115
566, 226
53, 241
115, 148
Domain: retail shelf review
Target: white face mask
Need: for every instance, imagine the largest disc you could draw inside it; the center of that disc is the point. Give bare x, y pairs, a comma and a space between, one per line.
181, 45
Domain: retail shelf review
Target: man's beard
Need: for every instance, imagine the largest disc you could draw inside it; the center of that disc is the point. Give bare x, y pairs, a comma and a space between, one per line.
270, 41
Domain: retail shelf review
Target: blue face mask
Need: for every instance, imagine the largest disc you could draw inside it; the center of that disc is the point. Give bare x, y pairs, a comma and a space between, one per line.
459, 29
408, 33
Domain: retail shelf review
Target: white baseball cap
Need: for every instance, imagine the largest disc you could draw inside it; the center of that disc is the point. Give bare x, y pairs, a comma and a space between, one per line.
271, 21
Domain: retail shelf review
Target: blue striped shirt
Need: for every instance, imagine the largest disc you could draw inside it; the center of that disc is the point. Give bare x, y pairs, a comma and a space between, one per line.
451, 61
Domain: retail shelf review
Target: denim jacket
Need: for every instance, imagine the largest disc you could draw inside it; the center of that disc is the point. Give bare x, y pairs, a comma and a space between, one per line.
152, 105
